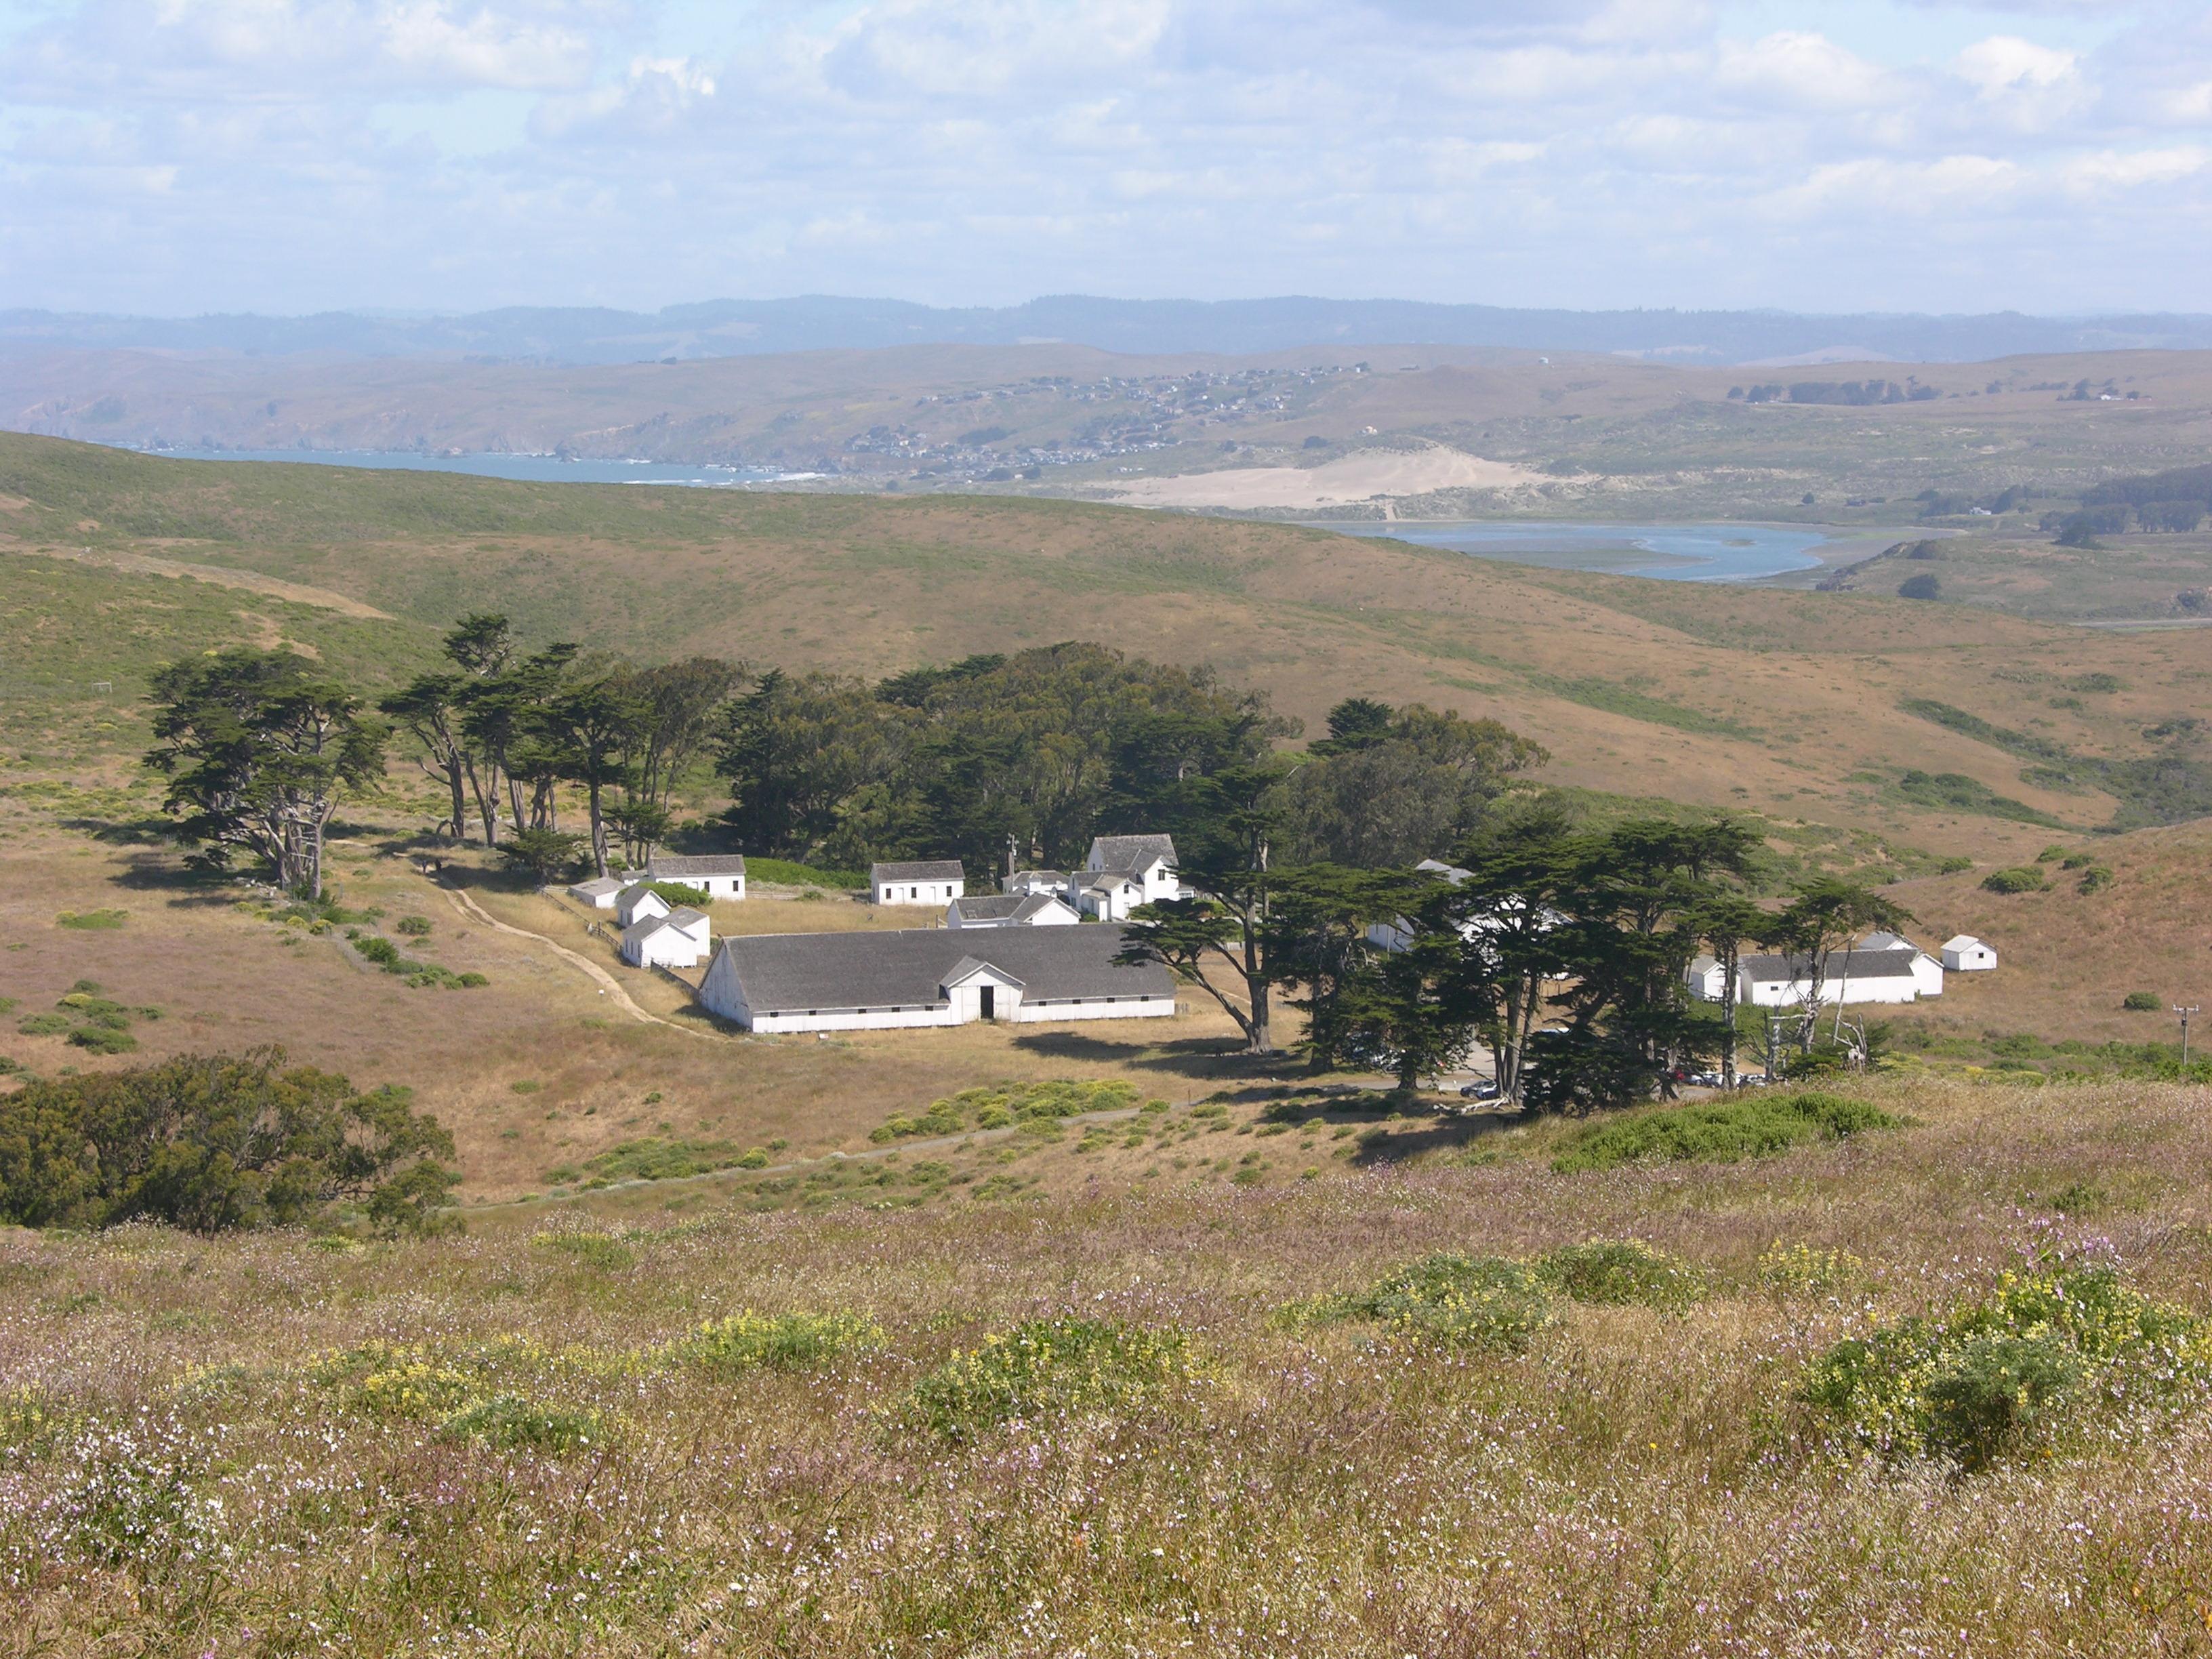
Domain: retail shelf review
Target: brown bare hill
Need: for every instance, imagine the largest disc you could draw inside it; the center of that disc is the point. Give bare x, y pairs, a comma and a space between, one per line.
1795, 703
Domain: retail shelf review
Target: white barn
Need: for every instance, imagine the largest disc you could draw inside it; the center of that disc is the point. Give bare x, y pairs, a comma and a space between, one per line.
861, 981
1890, 974
1010, 911
678, 938
1967, 955
921, 881
720, 875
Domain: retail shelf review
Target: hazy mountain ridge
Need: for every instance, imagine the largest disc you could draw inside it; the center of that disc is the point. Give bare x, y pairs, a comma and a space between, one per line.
722, 328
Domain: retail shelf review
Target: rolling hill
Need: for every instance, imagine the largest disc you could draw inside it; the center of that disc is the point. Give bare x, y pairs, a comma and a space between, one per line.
1811, 707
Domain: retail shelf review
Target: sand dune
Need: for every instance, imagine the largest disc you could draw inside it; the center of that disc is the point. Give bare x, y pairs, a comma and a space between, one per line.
1354, 478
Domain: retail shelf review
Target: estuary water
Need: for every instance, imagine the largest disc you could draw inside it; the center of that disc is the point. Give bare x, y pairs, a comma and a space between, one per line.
1672, 552
517, 469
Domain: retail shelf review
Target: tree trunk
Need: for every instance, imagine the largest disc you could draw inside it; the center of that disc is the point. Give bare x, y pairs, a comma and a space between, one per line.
1728, 1018
599, 827
1260, 1038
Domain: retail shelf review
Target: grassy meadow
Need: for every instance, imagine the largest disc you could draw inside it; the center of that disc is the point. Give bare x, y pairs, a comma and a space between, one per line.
617, 1430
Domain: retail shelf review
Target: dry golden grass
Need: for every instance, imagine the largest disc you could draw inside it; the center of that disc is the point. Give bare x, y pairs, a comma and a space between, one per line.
1637, 1482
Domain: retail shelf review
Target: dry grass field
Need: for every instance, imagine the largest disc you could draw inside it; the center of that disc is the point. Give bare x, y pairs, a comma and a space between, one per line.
518, 1442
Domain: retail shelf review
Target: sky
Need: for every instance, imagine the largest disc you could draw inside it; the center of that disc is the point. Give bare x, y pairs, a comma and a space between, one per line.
173, 157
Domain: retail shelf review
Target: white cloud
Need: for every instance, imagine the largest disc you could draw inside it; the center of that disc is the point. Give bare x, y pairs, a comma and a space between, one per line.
1576, 152
1801, 70
2109, 170
2006, 63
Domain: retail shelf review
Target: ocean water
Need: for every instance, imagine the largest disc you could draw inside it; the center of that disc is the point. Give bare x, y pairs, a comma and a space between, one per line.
519, 469
1674, 552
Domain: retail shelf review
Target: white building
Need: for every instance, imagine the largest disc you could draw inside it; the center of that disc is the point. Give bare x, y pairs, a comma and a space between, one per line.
719, 875
1894, 974
678, 938
924, 881
864, 980
600, 892
1023, 883
1967, 955
636, 902
1108, 895
1010, 911
1151, 860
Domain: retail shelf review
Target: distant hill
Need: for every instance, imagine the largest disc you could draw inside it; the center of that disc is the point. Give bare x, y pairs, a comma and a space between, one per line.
723, 328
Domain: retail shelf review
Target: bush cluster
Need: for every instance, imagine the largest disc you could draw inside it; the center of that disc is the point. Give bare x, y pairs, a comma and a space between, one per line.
2003, 1373
1000, 1104
1721, 1132
1046, 1368
461, 1402
2026, 878
89, 1021
214, 1142
749, 1340
1622, 1272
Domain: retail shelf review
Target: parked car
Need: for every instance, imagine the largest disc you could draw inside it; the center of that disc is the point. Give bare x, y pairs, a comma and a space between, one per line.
1481, 1091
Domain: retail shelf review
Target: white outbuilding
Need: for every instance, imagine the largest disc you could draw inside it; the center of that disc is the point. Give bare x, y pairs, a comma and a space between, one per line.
1899, 973
679, 939
1108, 895
1150, 860
1010, 911
600, 892
919, 881
636, 902
718, 875
1967, 955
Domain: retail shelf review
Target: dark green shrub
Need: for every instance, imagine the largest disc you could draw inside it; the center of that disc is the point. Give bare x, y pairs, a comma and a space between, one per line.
1622, 1274
1925, 585
2143, 1002
1719, 1131
213, 1142
1456, 1301
413, 927
2022, 879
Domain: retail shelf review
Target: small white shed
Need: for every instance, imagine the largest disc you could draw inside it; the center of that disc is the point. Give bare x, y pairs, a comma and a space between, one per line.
681, 939
600, 892
1967, 955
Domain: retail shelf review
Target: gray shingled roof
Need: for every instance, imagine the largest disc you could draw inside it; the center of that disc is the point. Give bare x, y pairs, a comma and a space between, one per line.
917, 870
599, 886
1005, 906
1854, 964
674, 866
646, 927
786, 973
1132, 852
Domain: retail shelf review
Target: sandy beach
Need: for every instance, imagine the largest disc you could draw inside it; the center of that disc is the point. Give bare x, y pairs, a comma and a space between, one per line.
1352, 479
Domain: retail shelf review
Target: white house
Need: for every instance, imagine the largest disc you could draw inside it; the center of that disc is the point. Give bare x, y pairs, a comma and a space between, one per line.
1706, 981
719, 876
1150, 858
924, 881
679, 939
1023, 883
600, 892
1108, 895
1010, 911
864, 980
1967, 955
638, 901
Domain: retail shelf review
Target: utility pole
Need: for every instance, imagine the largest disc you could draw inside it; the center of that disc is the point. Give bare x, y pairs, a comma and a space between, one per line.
2193, 1008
